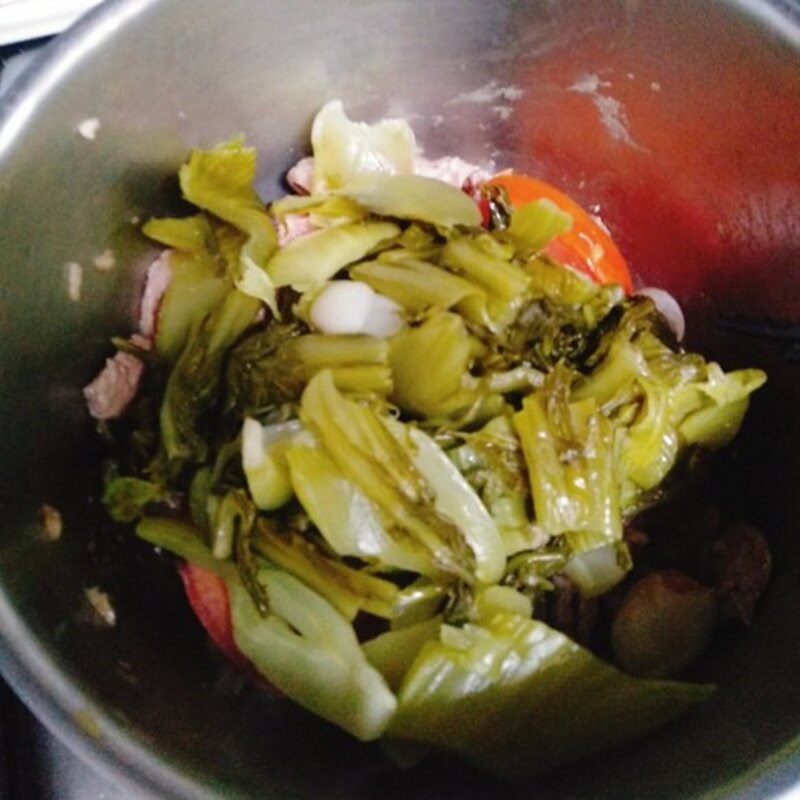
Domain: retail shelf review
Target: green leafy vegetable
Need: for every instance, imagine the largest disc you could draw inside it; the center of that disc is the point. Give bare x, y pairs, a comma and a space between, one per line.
344, 149
455, 500
392, 653
534, 225
274, 365
191, 235
350, 522
362, 447
348, 589
194, 381
126, 498
200, 496
418, 286
194, 291
304, 646
480, 260
494, 600
319, 207
519, 698
307, 262
184, 540
264, 461
234, 517
220, 180
652, 445
447, 390
722, 401
412, 197
570, 450
597, 571
491, 460
309, 651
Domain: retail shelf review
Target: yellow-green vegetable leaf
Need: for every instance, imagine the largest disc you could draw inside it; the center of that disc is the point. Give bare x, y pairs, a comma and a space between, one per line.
360, 364
264, 461
274, 365
187, 234
652, 444
418, 285
307, 262
125, 498
303, 646
392, 653
442, 340
570, 450
348, 589
561, 284
195, 290
491, 459
613, 379
183, 540
475, 258
535, 224
493, 600
358, 441
233, 517
518, 698
456, 500
721, 402
193, 383
344, 515
220, 180
344, 149
412, 197
597, 571
320, 206
309, 651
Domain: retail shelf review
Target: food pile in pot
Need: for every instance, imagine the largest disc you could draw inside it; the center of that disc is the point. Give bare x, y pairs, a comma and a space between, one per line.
399, 429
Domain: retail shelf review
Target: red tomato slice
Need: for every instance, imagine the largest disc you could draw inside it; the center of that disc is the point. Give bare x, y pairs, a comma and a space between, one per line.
208, 597
587, 247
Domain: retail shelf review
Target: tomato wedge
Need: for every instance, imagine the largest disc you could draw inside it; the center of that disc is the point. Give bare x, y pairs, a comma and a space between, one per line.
208, 597
587, 247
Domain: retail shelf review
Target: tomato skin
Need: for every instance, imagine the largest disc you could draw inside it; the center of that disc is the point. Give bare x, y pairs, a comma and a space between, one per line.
208, 597
587, 247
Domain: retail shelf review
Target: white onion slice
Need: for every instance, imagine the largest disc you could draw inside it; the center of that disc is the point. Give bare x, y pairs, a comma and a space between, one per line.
342, 307
384, 318
353, 307
669, 308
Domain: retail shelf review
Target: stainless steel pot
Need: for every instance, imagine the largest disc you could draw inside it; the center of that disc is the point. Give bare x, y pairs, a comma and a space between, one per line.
680, 119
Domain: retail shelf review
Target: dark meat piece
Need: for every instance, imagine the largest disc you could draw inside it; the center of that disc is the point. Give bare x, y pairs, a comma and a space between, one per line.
567, 611
739, 569
637, 540
664, 623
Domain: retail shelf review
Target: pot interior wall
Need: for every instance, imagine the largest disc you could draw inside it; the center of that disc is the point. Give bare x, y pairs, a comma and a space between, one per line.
678, 122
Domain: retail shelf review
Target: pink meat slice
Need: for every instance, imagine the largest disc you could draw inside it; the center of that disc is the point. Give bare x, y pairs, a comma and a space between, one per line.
292, 227
158, 278
110, 393
301, 175
450, 169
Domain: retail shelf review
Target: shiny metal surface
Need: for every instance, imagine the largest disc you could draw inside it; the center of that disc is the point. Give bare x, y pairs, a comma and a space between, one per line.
678, 118
36, 765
